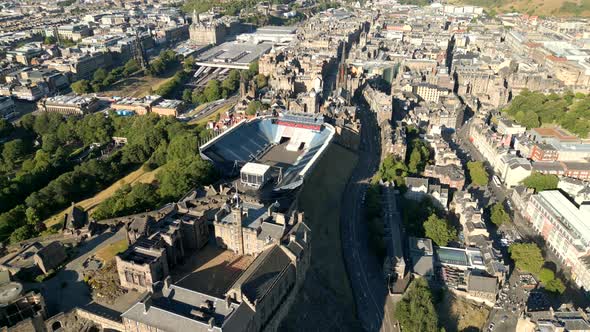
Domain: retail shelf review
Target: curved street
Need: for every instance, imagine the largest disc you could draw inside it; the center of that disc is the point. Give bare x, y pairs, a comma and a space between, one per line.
364, 270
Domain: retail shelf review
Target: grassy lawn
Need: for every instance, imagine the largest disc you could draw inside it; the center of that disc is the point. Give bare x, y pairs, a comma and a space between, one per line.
140, 86
107, 253
325, 302
137, 176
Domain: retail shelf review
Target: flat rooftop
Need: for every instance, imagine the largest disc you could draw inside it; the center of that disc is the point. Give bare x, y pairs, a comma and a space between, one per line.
569, 214
233, 54
558, 133
278, 30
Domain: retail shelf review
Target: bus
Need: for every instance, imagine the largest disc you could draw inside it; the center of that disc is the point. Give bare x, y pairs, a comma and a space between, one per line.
496, 181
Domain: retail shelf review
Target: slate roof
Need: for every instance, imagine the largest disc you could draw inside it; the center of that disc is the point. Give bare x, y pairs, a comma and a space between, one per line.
271, 230
416, 182
482, 284
261, 275
52, 255
77, 218
139, 224
173, 312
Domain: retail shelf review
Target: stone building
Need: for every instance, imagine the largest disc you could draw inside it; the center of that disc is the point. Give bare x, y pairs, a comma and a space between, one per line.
50, 257
451, 175
69, 105
247, 228
158, 242
205, 33
258, 300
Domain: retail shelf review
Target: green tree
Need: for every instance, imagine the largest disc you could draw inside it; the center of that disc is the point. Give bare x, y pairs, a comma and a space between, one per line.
187, 96
498, 215
212, 90
32, 216
415, 161
392, 169
99, 75
130, 67
183, 147
418, 157
555, 286
189, 63
96, 87
198, 97
13, 151
253, 69
541, 182
254, 107
22, 233
50, 142
49, 40
546, 275
81, 87
181, 175
527, 257
11, 220
439, 230
261, 81
231, 82
416, 312
477, 172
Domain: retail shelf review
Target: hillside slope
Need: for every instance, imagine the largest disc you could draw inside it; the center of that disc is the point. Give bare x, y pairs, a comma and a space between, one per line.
534, 7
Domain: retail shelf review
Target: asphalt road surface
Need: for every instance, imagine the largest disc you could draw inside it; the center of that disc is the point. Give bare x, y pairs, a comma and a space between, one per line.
364, 270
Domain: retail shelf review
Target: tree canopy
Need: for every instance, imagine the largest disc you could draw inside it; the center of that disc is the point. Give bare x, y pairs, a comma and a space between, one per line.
572, 112
81, 87
418, 157
527, 257
477, 172
392, 169
546, 275
48, 177
541, 182
498, 214
555, 286
439, 230
128, 200
416, 312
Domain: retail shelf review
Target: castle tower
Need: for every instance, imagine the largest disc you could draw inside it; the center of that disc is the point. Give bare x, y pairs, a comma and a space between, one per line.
237, 216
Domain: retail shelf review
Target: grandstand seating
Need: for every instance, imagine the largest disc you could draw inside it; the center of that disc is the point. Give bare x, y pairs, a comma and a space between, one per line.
252, 138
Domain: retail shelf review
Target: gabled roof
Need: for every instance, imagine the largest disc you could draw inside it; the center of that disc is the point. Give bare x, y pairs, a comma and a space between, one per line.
262, 274
77, 218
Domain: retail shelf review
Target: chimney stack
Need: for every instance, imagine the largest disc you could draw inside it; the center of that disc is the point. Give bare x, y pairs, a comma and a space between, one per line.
167, 283
147, 303
211, 322
279, 218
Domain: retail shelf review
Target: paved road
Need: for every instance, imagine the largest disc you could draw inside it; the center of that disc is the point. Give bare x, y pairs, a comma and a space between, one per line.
363, 268
214, 107
504, 316
67, 289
